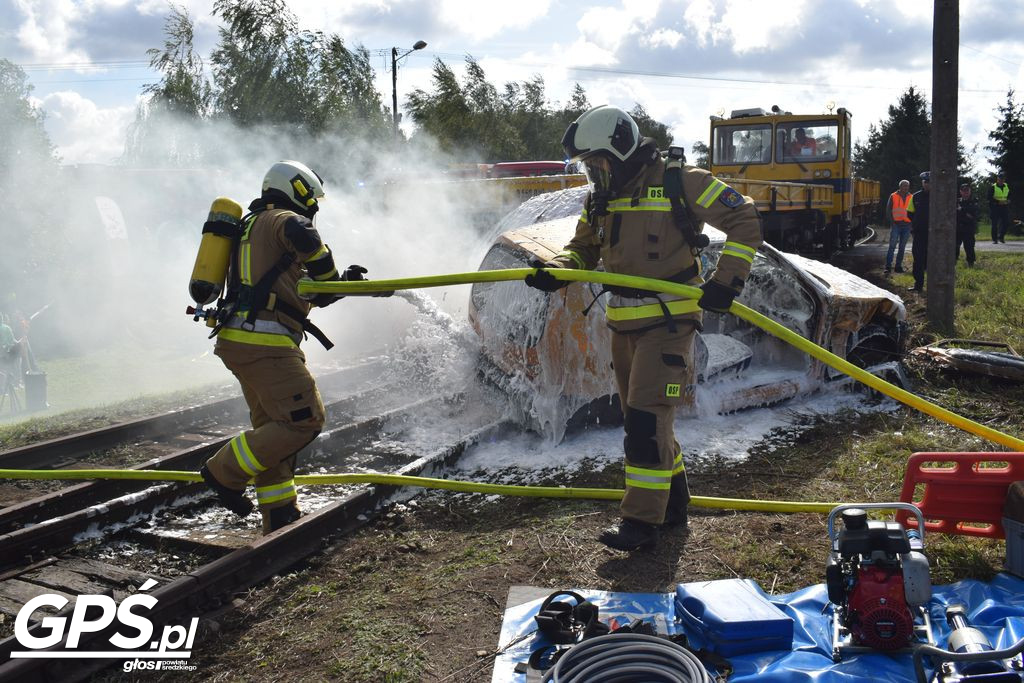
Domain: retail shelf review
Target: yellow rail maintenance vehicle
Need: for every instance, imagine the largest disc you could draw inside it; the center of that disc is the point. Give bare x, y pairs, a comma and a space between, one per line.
798, 169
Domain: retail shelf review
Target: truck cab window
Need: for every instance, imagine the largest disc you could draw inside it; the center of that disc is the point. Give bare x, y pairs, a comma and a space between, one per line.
743, 144
806, 141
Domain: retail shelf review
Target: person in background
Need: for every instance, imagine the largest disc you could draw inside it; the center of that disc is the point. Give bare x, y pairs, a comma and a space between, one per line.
630, 223
21, 325
803, 145
13, 352
966, 223
899, 225
999, 209
919, 216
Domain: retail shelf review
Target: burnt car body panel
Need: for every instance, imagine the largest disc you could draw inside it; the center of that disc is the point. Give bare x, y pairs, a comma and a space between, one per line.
553, 349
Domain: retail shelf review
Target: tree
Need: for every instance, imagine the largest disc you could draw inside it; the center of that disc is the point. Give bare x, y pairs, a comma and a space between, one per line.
268, 72
183, 89
1008, 140
297, 86
182, 96
28, 182
651, 128
471, 121
446, 112
898, 147
25, 139
578, 102
702, 155
261, 63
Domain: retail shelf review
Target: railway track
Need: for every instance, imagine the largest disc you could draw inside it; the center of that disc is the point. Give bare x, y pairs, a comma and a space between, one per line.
163, 441
110, 538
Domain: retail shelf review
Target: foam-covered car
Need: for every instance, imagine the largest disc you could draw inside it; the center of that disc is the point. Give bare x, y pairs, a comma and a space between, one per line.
559, 360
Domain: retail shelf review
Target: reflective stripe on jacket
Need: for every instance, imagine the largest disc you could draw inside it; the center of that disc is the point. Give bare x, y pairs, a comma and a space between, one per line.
639, 237
263, 243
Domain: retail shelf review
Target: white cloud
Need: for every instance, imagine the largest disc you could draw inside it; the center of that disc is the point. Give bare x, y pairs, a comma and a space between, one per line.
45, 31
470, 20
663, 38
483, 20
755, 25
608, 27
83, 132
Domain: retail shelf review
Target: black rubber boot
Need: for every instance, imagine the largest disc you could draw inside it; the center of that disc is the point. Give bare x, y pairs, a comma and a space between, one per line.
233, 500
675, 516
630, 535
282, 516
678, 499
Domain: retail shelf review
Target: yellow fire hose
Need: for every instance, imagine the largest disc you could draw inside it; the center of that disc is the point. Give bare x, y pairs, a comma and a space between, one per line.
309, 287
426, 482
753, 317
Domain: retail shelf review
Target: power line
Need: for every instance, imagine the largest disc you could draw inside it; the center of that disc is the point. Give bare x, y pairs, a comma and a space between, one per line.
991, 56
702, 79
72, 66
101, 66
92, 80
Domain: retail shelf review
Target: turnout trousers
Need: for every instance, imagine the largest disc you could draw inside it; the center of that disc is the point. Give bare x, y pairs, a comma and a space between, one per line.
286, 413
654, 374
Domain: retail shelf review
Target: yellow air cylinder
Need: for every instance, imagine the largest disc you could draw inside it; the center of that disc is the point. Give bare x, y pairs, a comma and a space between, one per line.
222, 226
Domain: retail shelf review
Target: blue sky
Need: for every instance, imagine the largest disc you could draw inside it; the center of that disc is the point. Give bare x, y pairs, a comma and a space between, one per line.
682, 60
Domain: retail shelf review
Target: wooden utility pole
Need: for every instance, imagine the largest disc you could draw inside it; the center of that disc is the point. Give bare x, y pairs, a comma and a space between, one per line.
945, 184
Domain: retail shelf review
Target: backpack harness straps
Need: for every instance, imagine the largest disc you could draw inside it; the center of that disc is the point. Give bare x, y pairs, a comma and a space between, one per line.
682, 216
259, 297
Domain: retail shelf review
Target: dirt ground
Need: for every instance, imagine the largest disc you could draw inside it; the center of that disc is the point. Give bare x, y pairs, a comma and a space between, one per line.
419, 594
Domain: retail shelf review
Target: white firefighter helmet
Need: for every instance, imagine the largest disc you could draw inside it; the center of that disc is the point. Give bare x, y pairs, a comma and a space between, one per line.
602, 129
297, 183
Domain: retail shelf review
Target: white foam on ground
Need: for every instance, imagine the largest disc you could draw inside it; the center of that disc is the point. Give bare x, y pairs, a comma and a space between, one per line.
526, 457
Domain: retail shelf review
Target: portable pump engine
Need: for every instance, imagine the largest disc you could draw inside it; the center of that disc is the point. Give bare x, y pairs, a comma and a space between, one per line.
878, 582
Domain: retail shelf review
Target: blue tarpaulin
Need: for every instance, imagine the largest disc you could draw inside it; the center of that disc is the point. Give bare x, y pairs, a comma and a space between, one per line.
996, 608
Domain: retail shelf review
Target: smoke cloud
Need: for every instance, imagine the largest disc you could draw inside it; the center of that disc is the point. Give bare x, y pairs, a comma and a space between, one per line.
121, 240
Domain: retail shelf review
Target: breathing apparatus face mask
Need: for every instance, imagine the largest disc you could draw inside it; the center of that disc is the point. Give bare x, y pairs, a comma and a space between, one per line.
599, 173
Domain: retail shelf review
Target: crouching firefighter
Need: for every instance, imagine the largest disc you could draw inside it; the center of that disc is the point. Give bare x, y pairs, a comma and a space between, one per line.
260, 324
643, 216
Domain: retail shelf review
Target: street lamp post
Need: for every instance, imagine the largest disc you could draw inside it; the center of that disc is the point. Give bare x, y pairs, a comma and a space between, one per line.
394, 78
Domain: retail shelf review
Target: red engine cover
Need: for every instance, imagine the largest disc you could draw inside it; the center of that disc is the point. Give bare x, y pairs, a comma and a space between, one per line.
878, 615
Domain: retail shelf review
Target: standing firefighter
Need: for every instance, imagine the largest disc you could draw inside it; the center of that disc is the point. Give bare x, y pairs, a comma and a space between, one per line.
642, 217
259, 343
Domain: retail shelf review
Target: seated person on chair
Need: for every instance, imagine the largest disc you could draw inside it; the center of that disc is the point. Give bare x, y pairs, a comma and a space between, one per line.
803, 145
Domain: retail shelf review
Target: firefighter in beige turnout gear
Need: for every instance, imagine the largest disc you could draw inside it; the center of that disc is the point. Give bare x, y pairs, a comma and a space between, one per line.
259, 344
629, 225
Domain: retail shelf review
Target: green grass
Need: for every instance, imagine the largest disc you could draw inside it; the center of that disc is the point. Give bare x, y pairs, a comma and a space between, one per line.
1014, 234
113, 385
989, 299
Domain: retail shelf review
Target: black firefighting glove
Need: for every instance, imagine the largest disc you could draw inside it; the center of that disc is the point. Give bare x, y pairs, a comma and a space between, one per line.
325, 300
351, 274
543, 280
354, 273
716, 297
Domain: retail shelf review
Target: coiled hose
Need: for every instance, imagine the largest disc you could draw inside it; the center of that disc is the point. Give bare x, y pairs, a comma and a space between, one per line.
624, 657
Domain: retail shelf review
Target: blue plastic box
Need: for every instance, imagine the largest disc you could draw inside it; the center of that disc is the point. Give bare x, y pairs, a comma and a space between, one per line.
731, 617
